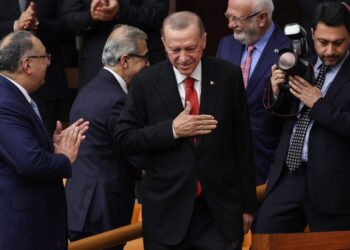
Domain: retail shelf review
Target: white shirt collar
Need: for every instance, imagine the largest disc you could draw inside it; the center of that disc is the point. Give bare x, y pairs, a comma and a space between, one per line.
24, 92
121, 81
196, 74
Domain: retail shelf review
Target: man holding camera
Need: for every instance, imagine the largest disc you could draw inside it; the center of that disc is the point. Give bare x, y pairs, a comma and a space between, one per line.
309, 178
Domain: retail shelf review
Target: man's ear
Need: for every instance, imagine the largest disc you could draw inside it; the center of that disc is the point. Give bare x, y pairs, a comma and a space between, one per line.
27, 66
123, 61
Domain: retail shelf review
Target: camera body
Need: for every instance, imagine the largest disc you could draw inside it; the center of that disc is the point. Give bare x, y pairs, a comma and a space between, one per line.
292, 60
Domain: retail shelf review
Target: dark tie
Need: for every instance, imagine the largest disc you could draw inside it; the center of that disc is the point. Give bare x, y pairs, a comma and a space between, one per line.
294, 154
22, 5
192, 97
246, 64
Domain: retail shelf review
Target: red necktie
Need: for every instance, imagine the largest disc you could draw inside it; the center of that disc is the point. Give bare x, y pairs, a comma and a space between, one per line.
192, 97
246, 65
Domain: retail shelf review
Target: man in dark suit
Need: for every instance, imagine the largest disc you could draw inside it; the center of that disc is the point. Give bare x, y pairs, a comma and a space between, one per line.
309, 178
199, 187
252, 25
32, 200
101, 194
41, 17
94, 20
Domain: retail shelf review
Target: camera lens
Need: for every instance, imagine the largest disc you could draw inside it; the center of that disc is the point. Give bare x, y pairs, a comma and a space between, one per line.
286, 61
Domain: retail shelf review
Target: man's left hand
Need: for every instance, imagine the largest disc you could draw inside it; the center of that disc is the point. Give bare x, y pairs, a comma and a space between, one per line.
304, 91
247, 222
82, 125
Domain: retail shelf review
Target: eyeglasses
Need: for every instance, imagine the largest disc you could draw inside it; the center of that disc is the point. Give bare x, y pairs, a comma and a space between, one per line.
240, 19
144, 57
46, 56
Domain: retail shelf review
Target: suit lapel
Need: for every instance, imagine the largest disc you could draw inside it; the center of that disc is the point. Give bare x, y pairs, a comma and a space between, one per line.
209, 92
266, 59
168, 90
30, 111
342, 78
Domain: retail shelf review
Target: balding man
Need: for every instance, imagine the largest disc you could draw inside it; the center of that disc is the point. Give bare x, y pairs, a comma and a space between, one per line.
101, 195
32, 200
189, 114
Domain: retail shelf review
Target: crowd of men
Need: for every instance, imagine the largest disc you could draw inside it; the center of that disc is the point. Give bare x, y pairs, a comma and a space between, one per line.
201, 132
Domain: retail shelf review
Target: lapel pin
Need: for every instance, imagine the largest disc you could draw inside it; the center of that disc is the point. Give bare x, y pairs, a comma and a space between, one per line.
212, 83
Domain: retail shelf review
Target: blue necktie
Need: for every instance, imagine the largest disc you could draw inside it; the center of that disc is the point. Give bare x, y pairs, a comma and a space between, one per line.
35, 108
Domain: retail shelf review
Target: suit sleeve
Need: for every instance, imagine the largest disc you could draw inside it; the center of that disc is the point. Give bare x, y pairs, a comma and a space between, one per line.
22, 149
134, 135
243, 145
77, 17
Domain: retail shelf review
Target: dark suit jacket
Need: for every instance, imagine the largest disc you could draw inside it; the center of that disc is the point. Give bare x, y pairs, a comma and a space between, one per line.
329, 142
222, 161
100, 195
51, 33
32, 200
265, 139
147, 15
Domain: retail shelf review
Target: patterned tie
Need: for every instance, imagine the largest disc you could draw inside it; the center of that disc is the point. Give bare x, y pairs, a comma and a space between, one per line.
294, 154
192, 97
35, 108
246, 65
22, 5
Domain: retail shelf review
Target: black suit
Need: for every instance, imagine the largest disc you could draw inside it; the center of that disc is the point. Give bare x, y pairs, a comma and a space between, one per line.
147, 15
326, 178
51, 33
222, 160
100, 196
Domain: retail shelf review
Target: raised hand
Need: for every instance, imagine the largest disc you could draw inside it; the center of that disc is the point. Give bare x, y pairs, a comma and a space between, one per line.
27, 20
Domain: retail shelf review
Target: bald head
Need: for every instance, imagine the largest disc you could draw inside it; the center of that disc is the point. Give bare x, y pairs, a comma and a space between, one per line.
13, 48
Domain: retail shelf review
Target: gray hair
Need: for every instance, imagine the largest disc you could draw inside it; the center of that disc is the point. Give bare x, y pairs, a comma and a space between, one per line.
266, 5
12, 49
181, 20
123, 40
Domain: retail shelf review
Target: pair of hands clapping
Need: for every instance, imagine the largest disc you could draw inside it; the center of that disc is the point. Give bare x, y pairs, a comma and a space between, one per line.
67, 141
28, 19
104, 10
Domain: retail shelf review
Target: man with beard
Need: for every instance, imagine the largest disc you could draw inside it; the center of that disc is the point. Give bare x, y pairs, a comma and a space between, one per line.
253, 46
309, 178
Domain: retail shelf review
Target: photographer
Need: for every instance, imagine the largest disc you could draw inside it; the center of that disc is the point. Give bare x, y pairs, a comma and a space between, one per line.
311, 173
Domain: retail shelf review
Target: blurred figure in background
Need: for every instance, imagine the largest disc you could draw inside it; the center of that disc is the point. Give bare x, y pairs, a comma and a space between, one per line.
101, 194
42, 18
94, 20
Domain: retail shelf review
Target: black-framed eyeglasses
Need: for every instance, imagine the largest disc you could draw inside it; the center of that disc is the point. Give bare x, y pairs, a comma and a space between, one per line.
144, 57
241, 19
46, 56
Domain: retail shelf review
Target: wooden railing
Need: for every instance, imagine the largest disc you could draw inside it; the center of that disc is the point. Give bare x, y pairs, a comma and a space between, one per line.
108, 239
127, 233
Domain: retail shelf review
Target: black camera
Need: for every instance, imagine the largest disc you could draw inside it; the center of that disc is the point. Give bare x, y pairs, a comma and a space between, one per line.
292, 60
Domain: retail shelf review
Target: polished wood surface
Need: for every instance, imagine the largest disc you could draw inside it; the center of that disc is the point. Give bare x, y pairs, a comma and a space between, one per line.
302, 241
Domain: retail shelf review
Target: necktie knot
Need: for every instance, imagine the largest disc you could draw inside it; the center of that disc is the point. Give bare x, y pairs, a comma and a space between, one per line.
189, 82
250, 50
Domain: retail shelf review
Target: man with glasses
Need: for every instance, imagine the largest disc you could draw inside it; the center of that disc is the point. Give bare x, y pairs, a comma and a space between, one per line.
254, 47
32, 200
101, 195
189, 115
